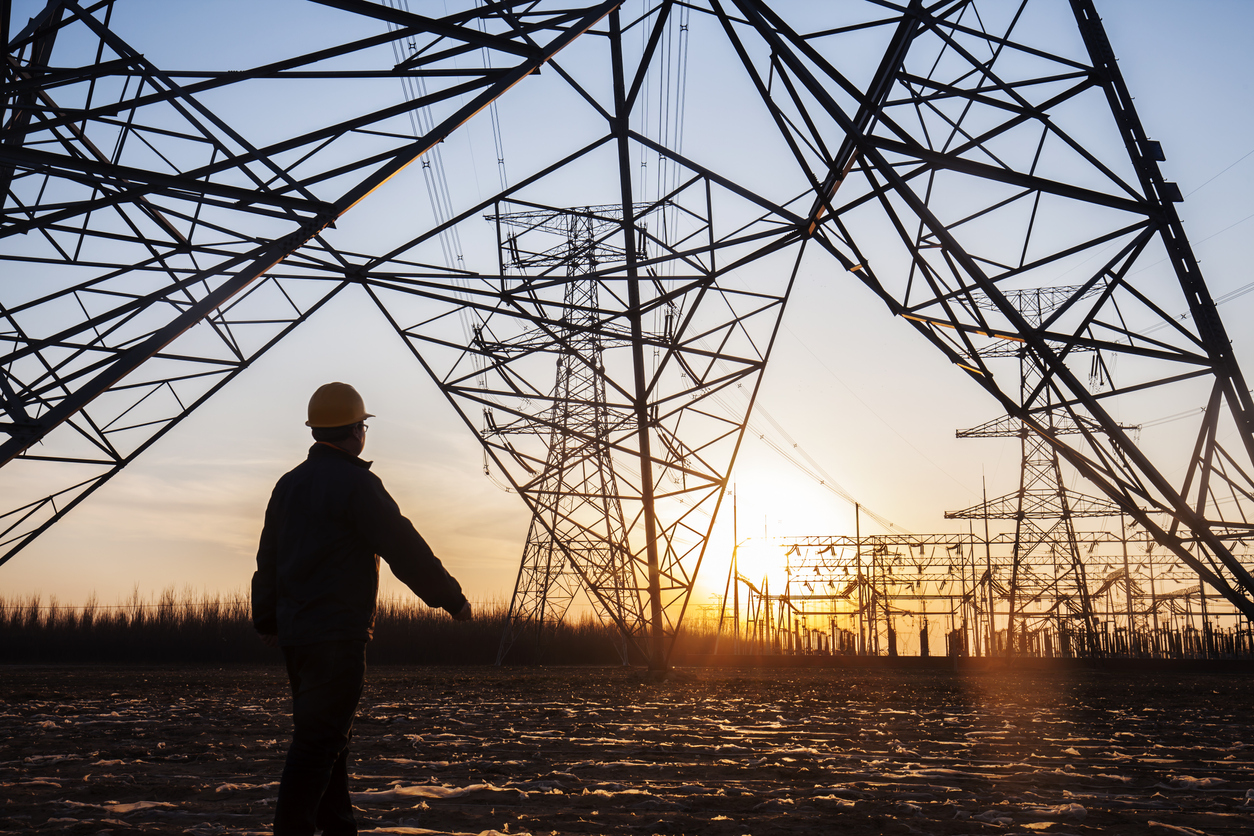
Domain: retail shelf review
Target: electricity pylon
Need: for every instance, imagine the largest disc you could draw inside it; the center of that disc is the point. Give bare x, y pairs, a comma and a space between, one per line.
1046, 561
172, 210
577, 539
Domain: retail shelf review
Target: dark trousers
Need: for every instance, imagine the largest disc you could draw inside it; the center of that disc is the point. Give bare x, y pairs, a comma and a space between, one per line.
327, 680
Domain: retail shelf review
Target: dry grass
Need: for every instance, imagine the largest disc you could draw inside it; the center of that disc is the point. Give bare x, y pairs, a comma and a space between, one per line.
212, 629
169, 628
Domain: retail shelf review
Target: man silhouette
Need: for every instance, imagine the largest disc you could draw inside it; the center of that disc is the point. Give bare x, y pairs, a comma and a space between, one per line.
314, 593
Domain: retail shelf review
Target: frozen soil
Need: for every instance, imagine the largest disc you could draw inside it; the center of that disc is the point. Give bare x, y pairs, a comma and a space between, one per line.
608, 750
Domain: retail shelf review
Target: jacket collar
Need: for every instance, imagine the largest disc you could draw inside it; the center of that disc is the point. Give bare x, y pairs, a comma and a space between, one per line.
321, 448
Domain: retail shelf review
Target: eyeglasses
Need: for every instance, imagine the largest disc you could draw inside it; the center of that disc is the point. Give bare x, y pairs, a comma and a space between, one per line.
364, 426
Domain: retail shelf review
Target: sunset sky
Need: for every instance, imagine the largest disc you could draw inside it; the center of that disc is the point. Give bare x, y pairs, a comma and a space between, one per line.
854, 390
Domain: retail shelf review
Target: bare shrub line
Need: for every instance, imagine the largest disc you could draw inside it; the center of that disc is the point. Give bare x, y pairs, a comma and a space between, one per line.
205, 628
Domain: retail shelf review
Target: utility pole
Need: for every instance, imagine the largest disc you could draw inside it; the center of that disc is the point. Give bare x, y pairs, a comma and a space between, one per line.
1127, 578
735, 574
857, 527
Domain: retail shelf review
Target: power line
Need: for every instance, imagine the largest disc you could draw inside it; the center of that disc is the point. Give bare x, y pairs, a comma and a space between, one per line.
880, 418
1221, 173
811, 467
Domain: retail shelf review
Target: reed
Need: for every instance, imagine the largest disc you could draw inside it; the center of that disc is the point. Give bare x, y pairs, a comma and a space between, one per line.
169, 628
187, 628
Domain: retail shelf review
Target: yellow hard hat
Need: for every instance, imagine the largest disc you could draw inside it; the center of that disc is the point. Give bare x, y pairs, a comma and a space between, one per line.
336, 405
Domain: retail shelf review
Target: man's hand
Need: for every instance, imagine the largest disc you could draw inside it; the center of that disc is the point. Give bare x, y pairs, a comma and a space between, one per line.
464, 614
268, 639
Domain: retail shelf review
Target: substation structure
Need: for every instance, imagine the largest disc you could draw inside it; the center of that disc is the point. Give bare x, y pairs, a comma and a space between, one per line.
957, 595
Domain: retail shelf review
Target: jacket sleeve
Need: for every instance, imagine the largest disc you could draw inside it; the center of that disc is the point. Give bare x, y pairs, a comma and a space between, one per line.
394, 538
265, 587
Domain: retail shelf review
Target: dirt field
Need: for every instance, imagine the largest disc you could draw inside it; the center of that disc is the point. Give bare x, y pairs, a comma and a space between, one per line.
605, 750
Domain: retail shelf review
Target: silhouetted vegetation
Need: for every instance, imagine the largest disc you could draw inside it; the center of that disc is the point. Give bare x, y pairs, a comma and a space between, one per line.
187, 628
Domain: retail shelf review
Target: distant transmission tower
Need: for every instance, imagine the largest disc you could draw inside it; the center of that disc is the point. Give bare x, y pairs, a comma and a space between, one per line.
1047, 570
577, 539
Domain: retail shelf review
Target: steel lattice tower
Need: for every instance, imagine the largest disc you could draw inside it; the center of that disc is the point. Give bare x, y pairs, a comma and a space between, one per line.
577, 539
158, 235
1046, 562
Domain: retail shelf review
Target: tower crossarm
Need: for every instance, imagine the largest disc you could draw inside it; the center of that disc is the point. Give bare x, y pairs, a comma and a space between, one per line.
1037, 506
1010, 427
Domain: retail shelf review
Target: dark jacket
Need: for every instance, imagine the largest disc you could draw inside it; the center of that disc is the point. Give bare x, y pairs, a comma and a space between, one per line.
317, 577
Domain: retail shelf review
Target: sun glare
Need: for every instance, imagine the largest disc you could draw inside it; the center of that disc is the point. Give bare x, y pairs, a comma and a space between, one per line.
758, 561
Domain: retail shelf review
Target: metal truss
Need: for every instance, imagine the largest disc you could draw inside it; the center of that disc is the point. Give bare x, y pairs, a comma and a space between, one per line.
973, 165
1043, 509
577, 540
157, 236
143, 230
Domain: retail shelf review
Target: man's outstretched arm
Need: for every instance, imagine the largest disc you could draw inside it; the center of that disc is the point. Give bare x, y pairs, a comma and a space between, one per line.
394, 538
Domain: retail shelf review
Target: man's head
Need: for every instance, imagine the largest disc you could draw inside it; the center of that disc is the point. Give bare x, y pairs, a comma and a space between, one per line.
337, 415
